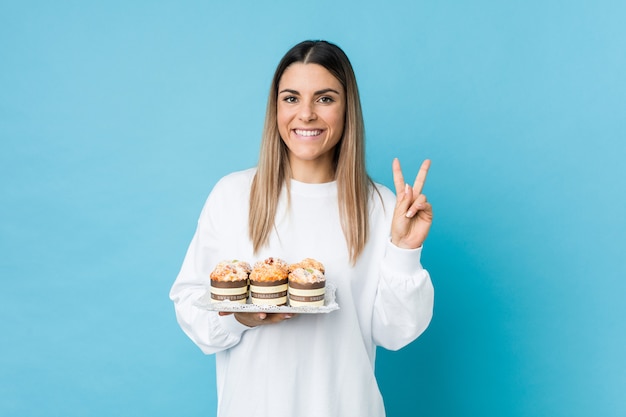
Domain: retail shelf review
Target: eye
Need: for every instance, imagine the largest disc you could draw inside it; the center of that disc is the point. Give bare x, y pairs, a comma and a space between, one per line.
289, 99
326, 99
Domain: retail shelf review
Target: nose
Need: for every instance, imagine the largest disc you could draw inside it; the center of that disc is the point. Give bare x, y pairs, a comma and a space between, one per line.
307, 112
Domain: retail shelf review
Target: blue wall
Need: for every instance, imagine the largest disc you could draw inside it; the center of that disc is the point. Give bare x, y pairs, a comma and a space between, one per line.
116, 118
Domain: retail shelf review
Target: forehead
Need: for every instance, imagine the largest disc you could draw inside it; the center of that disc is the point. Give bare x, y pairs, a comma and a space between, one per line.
299, 76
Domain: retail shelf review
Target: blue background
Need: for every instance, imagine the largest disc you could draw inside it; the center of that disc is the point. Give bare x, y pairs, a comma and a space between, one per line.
116, 118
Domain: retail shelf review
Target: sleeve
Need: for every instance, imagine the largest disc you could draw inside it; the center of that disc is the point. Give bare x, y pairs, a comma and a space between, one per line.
404, 302
208, 330
403, 307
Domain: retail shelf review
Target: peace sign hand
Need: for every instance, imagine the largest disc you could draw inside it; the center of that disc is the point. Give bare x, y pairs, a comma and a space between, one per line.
413, 214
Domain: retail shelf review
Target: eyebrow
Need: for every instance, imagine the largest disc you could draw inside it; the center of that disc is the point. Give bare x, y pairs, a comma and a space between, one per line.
317, 93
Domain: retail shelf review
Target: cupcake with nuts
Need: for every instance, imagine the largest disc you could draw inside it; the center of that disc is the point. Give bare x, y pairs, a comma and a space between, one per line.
307, 283
229, 282
268, 282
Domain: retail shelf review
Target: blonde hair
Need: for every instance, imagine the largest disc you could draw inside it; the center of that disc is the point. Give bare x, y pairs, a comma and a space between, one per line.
273, 169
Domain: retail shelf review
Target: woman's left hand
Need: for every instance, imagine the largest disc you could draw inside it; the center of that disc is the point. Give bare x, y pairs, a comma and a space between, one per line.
413, 214
258, 319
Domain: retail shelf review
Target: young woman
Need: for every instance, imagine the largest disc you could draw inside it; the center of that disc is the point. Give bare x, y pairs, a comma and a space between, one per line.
310, 197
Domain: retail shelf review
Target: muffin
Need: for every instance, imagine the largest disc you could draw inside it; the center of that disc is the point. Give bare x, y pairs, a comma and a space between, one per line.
268, 282
307, 284
229, 281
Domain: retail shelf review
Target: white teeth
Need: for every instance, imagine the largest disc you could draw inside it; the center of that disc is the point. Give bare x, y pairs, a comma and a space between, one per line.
308, 132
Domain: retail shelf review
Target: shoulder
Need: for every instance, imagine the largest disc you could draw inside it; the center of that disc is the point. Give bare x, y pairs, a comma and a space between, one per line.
381, 206
230, 194
381, 195
235, 182
237, 179
234, 187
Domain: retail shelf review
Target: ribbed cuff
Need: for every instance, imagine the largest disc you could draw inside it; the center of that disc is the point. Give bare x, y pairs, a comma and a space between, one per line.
232, 325
404, 260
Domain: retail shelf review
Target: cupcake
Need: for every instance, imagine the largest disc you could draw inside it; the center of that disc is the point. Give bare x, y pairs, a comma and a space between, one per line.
268, 282
307, 284
229, 281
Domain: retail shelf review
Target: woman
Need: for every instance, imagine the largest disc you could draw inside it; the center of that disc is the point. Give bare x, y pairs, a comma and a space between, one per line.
310, 196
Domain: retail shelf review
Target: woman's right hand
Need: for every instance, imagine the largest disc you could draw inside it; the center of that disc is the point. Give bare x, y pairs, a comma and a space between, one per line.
258, 319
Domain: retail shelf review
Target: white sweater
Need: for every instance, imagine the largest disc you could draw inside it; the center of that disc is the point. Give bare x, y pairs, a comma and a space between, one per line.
312, 364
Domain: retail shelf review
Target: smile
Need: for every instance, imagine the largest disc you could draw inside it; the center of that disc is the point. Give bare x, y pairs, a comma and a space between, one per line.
308, 133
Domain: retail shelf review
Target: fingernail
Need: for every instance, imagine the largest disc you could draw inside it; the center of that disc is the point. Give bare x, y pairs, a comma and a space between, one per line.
288, 316
409, 213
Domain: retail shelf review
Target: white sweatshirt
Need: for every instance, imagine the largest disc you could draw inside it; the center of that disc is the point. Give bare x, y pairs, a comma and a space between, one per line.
312, 364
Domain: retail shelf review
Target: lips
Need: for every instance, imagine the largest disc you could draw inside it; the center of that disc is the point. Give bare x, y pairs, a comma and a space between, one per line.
308, 132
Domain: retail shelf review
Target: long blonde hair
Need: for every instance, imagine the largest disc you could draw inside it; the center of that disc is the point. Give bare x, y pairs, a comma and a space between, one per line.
273, 169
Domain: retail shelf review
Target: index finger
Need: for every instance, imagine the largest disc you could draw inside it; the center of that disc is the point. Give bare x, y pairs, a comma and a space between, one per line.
398, 178
421, 177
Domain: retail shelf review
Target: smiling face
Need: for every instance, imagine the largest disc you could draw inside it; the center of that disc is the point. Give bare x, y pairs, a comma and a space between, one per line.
310, 113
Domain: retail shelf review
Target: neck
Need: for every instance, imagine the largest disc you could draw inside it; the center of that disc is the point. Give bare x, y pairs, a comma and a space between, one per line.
312, 172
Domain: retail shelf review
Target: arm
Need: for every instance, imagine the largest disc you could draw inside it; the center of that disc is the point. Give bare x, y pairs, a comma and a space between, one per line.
405, 297
211, 331
208, 330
